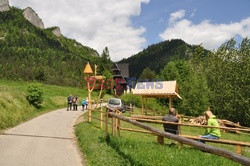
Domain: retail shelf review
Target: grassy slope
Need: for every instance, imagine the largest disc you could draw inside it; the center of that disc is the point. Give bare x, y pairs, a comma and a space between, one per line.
14, 108
142, 149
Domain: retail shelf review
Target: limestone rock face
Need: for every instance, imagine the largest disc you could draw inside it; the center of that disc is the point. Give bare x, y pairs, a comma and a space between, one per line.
4, 5
57, 32
33, 18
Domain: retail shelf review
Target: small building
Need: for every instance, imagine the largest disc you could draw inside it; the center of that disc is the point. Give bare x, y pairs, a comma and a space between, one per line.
163, 89
120, 73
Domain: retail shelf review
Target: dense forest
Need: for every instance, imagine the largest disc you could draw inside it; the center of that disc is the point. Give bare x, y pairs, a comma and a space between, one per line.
158, 55
30, 53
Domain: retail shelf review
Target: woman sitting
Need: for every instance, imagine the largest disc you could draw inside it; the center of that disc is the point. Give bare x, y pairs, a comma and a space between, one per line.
211, 133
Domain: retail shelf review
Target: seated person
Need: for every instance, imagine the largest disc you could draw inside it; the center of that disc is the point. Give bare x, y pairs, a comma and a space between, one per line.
171, 117
211, 133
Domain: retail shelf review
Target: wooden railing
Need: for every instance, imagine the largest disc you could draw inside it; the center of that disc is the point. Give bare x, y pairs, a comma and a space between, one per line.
160, 136
116, 118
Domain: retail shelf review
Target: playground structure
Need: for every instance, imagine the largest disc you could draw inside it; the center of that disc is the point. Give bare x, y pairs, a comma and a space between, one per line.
88, 72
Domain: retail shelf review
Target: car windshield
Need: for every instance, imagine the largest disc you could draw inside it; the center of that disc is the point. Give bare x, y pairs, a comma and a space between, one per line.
114, 101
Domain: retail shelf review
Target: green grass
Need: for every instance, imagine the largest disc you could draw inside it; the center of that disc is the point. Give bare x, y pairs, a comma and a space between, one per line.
14, 108
142, 149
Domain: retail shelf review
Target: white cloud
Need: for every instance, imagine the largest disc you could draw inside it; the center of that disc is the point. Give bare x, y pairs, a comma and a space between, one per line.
176, 16
95, 23
210, 35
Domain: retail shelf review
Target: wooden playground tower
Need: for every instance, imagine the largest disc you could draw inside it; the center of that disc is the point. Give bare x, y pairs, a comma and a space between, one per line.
89, 72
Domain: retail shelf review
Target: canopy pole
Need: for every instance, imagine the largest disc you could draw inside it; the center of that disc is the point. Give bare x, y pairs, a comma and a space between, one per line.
142, 109
170, 102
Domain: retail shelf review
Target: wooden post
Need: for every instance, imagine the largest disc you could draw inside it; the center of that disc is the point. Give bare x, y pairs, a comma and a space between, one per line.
142, 109
160, 139
238, 149
131, 109
101, 117
116, 124
179, 121
179, 145
146, 106
107, 123
119, 127
170, 102
89, 104
113, 121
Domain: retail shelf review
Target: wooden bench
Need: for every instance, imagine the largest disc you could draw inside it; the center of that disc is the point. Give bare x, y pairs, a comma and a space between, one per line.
222, 141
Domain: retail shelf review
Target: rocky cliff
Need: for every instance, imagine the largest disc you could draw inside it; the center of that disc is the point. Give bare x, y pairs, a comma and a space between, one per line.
57, 32
4, 5
33, 18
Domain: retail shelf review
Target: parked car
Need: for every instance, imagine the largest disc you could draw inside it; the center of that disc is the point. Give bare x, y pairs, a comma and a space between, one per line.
115, 103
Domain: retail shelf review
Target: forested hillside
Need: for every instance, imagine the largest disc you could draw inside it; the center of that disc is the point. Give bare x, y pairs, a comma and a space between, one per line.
157, 56
31, 53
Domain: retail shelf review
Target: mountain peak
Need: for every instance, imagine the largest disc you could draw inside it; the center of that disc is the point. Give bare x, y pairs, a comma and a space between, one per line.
4, 5
33, 17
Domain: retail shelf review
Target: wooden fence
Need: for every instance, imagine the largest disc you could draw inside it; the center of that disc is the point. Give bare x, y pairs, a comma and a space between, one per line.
116, 118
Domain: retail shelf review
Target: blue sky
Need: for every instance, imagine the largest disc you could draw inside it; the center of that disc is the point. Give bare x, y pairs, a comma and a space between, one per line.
128, 26
154, 15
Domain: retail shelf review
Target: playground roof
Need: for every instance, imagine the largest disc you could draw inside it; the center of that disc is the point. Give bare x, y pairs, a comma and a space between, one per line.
164, 89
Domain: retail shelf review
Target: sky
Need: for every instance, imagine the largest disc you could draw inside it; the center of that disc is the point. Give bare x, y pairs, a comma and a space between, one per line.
127, 27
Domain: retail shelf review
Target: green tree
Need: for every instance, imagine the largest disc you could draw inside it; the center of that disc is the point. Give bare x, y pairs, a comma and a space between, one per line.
147, 73
227, 73
192, 88
105, 62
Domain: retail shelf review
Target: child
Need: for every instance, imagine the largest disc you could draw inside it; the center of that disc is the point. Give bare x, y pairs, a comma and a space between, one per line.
83, 104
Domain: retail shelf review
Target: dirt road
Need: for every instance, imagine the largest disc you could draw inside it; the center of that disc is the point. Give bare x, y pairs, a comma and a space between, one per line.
47, 140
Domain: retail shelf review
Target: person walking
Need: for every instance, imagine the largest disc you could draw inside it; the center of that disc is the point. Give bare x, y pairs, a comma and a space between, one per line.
69, 99
75, 103
83, 104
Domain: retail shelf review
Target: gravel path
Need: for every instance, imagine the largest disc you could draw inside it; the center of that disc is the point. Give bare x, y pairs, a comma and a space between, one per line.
47, 140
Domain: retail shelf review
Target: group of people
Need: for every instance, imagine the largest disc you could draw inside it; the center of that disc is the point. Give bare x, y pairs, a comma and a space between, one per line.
211, 133
73, 101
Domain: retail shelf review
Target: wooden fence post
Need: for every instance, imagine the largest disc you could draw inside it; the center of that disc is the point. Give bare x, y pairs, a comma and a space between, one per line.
101, 117
130, 109
107, 123
119, 127
89, 114
113, 130
146, 106
160, 139
142, 108
238, 149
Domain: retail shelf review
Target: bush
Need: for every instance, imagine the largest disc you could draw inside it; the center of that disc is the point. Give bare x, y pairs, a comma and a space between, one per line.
152, 103
132, 99
35, 95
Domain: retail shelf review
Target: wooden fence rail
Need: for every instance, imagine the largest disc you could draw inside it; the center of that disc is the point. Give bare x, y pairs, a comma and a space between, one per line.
192, 125
204, 147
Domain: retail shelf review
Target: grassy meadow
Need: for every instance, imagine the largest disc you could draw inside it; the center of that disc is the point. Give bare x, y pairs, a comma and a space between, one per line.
14, 107
142, 149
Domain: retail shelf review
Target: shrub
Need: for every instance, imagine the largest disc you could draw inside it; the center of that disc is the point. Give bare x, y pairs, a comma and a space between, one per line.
35, 95
130, 98
152, 103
